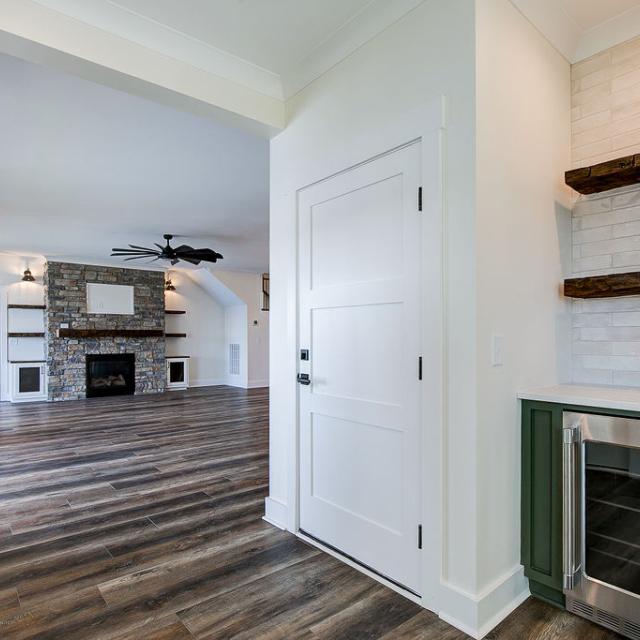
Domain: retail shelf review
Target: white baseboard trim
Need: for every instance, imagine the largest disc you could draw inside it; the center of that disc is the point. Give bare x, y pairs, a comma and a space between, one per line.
275, 512
207, 382
257, 384
477, 615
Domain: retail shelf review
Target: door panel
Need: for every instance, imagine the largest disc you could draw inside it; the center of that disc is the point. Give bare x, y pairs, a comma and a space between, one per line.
349, 343
359, 253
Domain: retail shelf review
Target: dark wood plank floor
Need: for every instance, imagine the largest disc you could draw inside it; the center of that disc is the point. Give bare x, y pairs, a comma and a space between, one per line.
140, 517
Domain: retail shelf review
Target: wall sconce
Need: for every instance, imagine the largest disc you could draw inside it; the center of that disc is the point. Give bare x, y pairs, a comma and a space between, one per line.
168, 285
28, 276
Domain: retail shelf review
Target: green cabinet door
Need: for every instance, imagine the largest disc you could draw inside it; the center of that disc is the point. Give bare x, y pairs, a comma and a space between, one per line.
542, 499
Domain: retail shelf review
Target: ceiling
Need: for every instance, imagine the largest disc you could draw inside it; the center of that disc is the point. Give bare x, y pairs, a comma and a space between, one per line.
275, 47
91, 168
588, 14
582, 28
270, 34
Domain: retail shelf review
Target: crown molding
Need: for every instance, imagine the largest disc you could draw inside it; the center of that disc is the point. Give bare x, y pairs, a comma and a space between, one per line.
113, 18
142, 30
613, 32
573, 42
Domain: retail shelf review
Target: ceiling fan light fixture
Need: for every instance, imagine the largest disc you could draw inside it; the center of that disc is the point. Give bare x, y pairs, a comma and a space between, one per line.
27, 276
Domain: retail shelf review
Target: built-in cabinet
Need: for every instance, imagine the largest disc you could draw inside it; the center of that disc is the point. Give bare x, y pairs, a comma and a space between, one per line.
28, 381
177, 372
26, 352
542, 493
542, 499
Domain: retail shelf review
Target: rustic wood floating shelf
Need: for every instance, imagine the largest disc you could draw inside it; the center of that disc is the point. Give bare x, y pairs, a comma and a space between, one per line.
175, 335
31, 334
26, 306
612, 286
621, 172
173, 312
110, 333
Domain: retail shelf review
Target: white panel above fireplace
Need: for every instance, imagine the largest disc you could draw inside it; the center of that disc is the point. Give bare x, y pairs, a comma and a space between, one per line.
112, 299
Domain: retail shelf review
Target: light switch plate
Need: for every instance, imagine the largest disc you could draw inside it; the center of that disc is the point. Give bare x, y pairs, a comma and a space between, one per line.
497, 350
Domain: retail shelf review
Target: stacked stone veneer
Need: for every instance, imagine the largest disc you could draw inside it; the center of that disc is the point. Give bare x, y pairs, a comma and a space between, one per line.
66, 300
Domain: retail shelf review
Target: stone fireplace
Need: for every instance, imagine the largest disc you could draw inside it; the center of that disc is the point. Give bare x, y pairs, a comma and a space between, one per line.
110, 374
77, 339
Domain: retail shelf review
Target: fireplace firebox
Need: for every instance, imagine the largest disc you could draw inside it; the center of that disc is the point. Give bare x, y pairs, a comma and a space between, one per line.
111, 374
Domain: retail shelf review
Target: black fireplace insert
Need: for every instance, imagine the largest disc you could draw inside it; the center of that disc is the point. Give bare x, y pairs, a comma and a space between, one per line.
111, 374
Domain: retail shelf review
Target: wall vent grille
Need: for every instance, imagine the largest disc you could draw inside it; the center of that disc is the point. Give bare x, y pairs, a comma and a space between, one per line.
234, 359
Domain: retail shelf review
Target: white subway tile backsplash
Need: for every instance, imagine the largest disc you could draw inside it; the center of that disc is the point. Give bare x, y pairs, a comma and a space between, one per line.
625, 319
595, 234
592, 264
628, 259
613, 363
626, 378
591, 376
591, 319
599, 305
589, 206
602, 247
628, 199
611, 334
590, 348
623, 348
626, 229
617, 216
606, 227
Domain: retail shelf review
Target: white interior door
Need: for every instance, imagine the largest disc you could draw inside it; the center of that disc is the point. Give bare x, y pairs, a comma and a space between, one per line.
359, 319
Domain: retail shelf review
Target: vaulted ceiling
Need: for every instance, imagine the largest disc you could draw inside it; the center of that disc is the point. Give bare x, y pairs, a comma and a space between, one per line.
86, 168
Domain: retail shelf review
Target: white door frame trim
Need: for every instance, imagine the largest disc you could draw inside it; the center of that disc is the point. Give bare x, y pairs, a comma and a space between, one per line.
428, 125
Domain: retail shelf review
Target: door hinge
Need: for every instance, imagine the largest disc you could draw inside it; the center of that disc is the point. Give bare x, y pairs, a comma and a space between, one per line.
419, 198
419, 367
419, 536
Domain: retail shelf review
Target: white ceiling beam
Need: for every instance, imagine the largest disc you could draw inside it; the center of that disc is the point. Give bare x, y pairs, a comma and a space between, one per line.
39, 34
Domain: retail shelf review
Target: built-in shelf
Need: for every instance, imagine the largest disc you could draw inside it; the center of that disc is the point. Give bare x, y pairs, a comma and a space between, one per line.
25, 334
175, 335
110, 333
174, 312
26, 361
610, 286
621, 172
176, 357
26, 306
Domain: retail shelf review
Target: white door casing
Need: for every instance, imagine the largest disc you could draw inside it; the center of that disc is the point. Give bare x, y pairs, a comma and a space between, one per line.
360, 318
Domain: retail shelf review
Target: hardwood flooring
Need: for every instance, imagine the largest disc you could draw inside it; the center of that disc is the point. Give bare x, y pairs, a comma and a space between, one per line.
140, 518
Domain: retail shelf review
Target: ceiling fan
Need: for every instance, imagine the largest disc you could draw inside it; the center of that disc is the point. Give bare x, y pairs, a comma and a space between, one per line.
183, 252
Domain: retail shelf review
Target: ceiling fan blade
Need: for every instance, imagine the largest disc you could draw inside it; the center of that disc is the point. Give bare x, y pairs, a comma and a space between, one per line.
132, 253
135, 258
183, 248
190, 259
120, 250
159, 246
135, 246
208, 255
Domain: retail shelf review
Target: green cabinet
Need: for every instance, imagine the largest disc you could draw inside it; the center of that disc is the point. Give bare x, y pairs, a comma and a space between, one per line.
542, 499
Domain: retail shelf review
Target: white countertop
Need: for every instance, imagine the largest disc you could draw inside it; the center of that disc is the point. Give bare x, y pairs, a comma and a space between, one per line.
604, 397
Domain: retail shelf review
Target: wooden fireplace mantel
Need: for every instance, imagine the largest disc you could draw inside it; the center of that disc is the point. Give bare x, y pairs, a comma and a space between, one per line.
110, 333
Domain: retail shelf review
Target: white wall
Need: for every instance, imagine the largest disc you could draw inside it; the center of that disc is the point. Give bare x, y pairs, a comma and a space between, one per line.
523, 236
252, 327
606, 226
204, 324
375, 99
